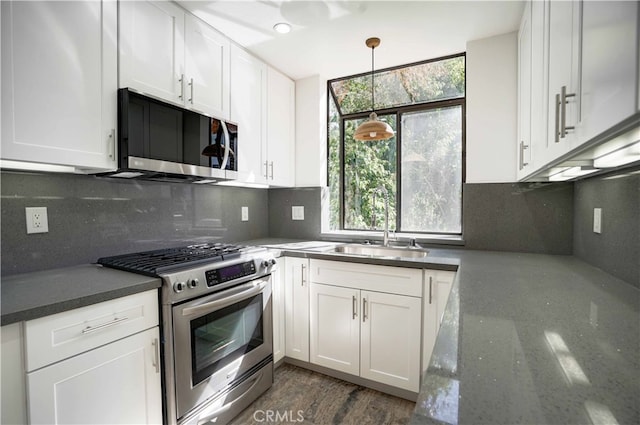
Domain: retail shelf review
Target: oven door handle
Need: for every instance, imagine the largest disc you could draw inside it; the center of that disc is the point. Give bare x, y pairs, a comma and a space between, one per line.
254, 289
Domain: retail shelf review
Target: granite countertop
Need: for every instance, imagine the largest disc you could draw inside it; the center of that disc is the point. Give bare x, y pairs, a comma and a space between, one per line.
31, 295
525, 339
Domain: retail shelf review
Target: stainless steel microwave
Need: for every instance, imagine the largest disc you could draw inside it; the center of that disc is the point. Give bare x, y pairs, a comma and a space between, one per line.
160, 141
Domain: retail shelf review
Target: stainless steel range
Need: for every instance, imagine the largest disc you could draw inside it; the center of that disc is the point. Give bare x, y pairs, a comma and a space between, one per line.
217, 327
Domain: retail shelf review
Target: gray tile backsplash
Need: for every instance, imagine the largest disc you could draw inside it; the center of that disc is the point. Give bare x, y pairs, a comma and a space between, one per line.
90, 217
616, 249
521, 217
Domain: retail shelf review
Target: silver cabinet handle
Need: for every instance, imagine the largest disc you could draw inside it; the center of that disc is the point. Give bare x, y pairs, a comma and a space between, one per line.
364, 309
115, 321
191, 85
522, 148
271, 165
557, 128
181, 81
266, 169
302, 274
430, 289
156, 354
111, 147
355, 306
563, 120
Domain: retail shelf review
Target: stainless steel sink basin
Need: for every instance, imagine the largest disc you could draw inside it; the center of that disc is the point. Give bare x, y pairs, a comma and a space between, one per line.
381, 251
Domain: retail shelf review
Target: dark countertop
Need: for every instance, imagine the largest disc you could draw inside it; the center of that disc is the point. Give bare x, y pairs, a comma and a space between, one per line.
526, 339
32, 295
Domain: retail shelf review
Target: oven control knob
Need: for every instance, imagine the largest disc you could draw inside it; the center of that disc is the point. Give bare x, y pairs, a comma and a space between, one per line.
192, 283
178, 286
268, 263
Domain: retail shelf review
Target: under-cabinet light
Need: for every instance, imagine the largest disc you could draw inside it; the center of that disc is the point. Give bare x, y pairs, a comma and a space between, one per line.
241, 184
619, 157
572, 173
35, 166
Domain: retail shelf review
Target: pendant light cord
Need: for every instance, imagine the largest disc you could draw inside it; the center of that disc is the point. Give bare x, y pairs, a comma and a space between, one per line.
373, 88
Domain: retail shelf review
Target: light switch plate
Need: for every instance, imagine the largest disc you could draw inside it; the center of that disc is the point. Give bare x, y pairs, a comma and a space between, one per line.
597, 220
297, 213
37, 221
245, 213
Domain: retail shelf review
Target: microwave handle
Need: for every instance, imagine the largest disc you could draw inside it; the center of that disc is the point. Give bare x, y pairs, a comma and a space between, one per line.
225, 159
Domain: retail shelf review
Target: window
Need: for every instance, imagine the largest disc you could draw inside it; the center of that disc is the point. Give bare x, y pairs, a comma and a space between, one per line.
420, 169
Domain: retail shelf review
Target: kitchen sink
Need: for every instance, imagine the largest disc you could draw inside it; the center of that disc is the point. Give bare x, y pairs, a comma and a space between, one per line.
381, 251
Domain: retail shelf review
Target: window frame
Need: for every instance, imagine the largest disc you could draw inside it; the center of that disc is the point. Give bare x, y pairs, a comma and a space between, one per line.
398, 112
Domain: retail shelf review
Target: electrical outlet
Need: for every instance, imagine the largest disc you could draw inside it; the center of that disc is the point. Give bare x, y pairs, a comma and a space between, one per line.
597, 220
245, 213
37, 221
297, 213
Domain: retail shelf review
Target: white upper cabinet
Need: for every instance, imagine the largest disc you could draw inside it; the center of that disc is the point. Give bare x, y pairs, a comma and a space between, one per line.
279, 158
583, 76
173, 56
524, 92
249, 111
609, 64
207, 66
152, 49
59, 82
563, 20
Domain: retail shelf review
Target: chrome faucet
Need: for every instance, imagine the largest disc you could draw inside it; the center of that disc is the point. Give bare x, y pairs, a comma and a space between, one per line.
383, 191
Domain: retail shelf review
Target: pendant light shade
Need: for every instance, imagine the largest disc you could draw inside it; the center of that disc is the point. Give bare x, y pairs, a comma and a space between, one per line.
373, 128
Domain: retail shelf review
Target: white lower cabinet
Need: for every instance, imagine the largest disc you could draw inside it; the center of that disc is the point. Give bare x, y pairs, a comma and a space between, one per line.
95, 364
296, 292
117, 383
437, 288
366, 321
374, 335
277, 298
13, 409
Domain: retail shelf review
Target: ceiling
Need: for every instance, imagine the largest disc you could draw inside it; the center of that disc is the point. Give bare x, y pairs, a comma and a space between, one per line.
327, 37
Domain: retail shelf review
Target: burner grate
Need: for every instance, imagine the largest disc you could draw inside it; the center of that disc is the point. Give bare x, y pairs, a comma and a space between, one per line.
156, 262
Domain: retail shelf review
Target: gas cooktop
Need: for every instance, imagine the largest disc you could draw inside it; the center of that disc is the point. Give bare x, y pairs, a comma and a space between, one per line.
161, 261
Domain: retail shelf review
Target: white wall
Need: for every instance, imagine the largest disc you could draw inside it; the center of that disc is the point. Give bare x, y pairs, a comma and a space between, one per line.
492, 70
311, 132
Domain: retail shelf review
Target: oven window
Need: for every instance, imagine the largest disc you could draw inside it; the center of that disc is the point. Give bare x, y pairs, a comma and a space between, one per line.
224, 335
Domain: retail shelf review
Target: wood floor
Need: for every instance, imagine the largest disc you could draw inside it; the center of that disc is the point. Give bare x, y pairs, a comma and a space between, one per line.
302, 396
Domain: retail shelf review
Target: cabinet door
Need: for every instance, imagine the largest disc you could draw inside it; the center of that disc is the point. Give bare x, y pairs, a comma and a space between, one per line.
59, 82
563, 18
152, 49
524, 93
118, 383
14, 401
608, 73
207, 69
390, 338
249, 111
335, 328
280, 128
437, 288
277, 296
297, 308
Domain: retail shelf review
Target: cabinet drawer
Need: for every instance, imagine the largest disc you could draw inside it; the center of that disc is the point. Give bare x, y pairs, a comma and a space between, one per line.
394, 280
59, 336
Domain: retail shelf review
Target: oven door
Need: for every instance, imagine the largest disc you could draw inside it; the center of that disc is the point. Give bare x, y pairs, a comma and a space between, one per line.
218, 339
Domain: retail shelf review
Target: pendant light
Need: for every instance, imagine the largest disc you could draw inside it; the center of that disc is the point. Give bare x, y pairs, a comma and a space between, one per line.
373, 128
